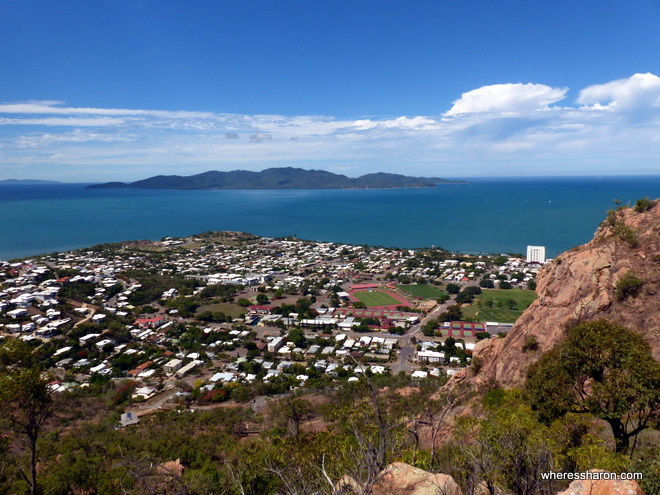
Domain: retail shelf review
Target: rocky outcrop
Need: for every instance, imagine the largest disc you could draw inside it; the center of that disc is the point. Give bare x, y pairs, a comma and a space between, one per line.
172, 468
403, 479
603, 487
581, 285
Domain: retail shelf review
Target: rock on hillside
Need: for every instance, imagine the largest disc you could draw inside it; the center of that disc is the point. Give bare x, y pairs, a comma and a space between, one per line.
580, 285
403, 479
603, 487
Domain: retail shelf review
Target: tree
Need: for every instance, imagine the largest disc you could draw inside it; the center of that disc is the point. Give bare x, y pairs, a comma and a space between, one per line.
464, 297
603, 369
262, 298
453, 313
25, 398
508, 448
297, 336
453, 288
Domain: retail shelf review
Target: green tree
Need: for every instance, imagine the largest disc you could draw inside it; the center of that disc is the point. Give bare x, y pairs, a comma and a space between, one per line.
453, 288
603, 369
508, 448
297, 336
262, 298
453, 313
25, 398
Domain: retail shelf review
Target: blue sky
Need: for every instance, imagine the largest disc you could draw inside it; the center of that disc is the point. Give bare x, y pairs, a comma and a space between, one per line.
121, 90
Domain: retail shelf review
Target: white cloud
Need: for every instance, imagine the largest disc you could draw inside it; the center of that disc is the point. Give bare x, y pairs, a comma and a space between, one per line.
504, 98
398, 123
492, 130
56, 108
637, 91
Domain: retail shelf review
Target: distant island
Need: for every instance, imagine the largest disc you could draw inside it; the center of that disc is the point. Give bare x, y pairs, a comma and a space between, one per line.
26, 182
277, 178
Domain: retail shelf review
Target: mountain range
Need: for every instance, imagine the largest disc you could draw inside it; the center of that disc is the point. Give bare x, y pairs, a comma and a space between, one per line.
277, 178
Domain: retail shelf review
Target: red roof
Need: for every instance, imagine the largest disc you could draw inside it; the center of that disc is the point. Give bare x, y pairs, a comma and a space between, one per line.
147, 321
364, 286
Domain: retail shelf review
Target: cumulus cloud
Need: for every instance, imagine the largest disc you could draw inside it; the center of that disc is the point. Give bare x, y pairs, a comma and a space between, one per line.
501, 98
639, 90
231, 135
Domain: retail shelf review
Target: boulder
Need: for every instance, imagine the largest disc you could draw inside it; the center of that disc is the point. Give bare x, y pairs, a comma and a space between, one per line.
603, 487
400, 478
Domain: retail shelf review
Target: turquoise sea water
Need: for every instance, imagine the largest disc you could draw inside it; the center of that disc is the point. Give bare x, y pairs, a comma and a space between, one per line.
486, 215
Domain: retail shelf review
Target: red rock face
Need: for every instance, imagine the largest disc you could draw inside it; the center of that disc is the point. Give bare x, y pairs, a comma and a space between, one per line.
581, 285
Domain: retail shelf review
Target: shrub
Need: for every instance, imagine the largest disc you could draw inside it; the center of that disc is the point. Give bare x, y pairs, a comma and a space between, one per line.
531, 344
644, 204
628, 286
615, 221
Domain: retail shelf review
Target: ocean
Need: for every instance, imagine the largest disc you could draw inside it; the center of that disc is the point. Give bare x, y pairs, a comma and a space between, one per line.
486, 215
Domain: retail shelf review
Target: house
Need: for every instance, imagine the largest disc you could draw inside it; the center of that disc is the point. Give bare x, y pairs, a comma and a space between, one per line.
187, 368
172, 366
260, 310
128, 418
275, 344
430, 356
18, 313
150, 322
143, 393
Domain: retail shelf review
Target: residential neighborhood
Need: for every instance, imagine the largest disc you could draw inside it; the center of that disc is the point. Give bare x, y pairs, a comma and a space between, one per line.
229, 316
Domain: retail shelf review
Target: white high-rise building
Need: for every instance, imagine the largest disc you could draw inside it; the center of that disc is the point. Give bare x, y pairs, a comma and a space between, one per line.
535, 254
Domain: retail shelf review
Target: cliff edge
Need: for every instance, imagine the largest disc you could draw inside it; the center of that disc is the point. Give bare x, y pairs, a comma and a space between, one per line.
615, 276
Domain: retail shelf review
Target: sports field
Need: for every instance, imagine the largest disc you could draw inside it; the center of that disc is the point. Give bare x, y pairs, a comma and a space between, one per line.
376, 298
423, 291
494, 304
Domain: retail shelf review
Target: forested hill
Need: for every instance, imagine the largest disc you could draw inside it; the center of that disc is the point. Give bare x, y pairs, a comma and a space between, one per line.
276, 178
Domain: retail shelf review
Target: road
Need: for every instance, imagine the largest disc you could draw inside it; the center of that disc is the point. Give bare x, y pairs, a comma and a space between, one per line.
407, 345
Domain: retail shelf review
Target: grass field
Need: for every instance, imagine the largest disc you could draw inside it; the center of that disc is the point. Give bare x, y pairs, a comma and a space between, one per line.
479, 310
423, 291
227, 308
375, 298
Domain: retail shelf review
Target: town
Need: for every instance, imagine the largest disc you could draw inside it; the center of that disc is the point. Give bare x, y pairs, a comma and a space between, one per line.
228, 316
